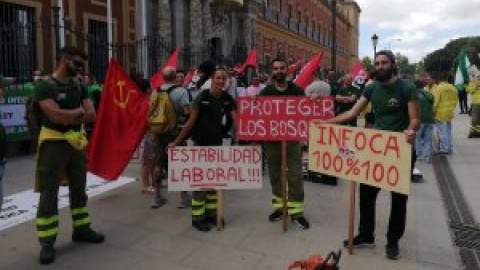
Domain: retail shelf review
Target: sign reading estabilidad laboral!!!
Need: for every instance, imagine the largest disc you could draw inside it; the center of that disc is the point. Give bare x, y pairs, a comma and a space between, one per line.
368, 156
214, 167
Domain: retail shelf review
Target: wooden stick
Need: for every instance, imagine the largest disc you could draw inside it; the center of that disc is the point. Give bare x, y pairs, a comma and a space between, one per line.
351, 219
220, 220
284, 186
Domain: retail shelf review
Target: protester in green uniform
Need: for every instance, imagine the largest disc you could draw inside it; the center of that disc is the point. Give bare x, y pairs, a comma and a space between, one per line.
208, 113
346, 97
94, 90
61, 152
281, 87
395, 106
423, 141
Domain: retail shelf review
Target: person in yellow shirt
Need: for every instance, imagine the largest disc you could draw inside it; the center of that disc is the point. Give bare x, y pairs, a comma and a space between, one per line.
473, 89
446, 99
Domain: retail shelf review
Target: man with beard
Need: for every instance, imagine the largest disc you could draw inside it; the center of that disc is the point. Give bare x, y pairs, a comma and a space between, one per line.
61, 152
280, 87
395, 105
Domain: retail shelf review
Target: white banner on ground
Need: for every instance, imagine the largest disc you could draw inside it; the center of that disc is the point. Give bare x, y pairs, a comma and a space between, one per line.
214, 167
22, 206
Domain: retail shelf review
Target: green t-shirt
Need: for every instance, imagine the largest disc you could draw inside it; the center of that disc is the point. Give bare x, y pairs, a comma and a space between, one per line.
426, 106
390, 104
292, 90
346, 92
335, 86
68, 95
214, 119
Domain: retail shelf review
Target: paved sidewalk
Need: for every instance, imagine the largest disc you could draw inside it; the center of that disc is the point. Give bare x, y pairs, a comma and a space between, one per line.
142, 238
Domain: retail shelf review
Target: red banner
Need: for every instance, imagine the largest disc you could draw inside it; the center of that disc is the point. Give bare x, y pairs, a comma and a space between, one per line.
359, 74
157, 80
277, 118
121, 123
307, 75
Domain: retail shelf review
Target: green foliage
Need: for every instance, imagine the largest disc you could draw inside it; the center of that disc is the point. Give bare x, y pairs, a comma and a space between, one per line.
443, 62
367, 63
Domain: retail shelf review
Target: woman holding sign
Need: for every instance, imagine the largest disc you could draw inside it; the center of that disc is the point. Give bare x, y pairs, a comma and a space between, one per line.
208, 124
395, 105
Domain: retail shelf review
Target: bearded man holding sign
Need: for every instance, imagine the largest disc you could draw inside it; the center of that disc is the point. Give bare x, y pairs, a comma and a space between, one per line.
395, 105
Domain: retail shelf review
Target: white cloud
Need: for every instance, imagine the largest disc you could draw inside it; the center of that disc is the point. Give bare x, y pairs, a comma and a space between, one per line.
422, 25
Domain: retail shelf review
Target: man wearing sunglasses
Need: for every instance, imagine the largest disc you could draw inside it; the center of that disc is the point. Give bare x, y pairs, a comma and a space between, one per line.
65, 108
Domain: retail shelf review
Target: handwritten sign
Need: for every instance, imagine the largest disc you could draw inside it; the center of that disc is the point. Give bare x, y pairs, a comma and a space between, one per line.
279, 118
214, 167
368, 156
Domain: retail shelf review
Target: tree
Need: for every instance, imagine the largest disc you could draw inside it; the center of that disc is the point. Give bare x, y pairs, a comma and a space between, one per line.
404, 66
444, 61
367, 63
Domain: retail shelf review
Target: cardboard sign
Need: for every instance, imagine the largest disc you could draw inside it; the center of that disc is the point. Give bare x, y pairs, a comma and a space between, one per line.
214, 167
279, 118
368, 156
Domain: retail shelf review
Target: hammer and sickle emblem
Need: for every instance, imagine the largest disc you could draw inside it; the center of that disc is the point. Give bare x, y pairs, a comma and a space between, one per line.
121, 100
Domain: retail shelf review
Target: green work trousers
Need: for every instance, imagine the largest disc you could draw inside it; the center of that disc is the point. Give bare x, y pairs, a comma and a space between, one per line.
57, 158
294, 176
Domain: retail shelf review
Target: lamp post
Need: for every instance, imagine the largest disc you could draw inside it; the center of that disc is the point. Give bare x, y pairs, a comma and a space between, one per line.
391, 41
374, 43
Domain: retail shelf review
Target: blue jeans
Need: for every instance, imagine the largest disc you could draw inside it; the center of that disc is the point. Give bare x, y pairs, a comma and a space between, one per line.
423, 141
445, 136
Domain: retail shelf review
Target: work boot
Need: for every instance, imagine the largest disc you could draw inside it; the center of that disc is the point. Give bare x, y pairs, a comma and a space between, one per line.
47, 254
213, 220
87, 236
392, 251
201, 225
301, 222
275, 216
361, 241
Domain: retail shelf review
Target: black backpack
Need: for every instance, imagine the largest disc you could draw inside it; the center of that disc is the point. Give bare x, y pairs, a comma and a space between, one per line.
203, 136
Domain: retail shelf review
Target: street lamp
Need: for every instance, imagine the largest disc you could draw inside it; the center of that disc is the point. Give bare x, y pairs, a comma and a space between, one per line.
374, 43
391, 41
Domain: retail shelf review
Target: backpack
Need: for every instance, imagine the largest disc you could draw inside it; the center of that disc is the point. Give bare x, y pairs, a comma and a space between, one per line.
33, 112
162, 116
205, 136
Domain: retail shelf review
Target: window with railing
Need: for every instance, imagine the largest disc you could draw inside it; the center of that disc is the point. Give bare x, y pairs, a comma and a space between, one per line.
18, 48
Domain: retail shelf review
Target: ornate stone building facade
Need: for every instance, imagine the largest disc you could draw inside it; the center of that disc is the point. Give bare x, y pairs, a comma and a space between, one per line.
296, 29
216, 29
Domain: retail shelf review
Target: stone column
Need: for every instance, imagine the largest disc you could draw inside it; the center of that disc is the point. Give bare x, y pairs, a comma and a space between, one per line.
165, 20
196, 32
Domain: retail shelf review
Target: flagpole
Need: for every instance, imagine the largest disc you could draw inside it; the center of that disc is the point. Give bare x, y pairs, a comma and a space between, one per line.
110, 29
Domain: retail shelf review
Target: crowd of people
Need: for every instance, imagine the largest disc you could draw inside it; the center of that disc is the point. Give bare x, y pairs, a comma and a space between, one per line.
204, 110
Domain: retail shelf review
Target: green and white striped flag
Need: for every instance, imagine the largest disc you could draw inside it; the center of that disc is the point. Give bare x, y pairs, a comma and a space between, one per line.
461, 76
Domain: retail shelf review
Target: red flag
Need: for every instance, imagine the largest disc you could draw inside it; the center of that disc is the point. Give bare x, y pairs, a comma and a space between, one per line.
157, 80
359, 74
121, 123
251, 61
307, 74
190, 75
294, 67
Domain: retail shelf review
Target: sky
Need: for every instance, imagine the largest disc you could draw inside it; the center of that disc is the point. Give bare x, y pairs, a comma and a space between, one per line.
416, 27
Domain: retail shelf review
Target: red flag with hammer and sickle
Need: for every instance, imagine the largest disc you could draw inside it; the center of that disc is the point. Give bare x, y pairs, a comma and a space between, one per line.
122, 120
